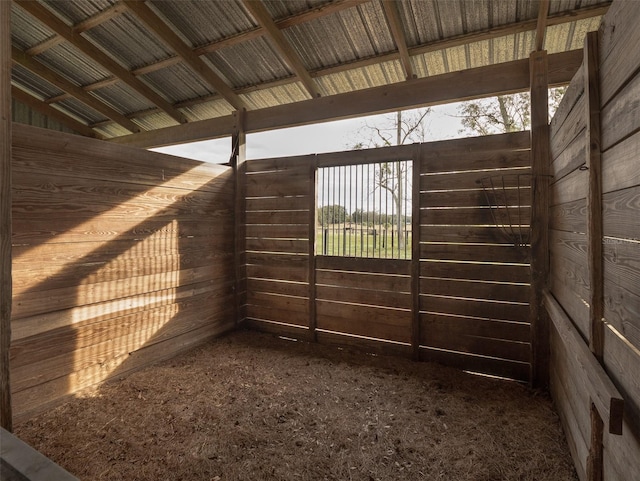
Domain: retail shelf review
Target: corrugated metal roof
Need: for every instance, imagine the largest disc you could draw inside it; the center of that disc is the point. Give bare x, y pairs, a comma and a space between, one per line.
344, 47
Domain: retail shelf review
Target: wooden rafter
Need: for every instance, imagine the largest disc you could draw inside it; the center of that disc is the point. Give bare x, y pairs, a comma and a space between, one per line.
496, 32
83, 26
156, 24
541, 24
499, 79
395, 25
291, 57
59, 81
45, 109
45, 16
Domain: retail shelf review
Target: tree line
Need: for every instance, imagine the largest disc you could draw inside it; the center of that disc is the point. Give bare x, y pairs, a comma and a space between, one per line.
337, 214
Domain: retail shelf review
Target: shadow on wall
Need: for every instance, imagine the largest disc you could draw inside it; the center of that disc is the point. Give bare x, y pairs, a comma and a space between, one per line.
118, 262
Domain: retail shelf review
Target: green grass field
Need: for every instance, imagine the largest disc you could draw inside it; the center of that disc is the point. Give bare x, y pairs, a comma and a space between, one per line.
362, 243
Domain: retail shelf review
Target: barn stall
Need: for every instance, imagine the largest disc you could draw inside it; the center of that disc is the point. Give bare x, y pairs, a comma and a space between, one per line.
122, 259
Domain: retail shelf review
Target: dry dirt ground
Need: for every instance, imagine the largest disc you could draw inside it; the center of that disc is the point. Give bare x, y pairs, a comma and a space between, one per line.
253, 407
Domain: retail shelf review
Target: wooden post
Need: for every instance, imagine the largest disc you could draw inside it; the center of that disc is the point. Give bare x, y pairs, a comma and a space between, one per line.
238, 162
594, 239
5, 214
313, 177
594, 196
540, 158
415, 255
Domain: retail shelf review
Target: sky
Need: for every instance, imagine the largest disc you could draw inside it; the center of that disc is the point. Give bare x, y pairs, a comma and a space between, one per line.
312, 139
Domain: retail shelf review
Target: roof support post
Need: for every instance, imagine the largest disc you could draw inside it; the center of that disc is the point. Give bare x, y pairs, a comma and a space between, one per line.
540, 159
5, 214
238, 163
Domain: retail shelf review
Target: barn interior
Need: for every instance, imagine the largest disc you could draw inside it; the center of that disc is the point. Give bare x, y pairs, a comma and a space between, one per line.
114, 257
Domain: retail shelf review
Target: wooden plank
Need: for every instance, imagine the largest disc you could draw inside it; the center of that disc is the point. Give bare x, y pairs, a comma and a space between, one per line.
100, 312
364, 296
571, 158
363, 265
574, 91
47, 395
464, 234
594, 226
388, 153
415, 258
477, 160
281, 316
279, 163
618, 61
603, 393
621, 115
365, 344
474, 363
278, 328
311, 245
239, 166
478, 308
475, 216
397, 31
619, 169
355, 322
363, 315
278, 217
299, 289
45, 151
6, 416
471, 326
475, 271
571, 128
278, 231
377, 282
474, 289
570, 217
620, 213
295, 273
292, 246
471, 180
499, 254
541, 24
473, 198
622, 288
277, 203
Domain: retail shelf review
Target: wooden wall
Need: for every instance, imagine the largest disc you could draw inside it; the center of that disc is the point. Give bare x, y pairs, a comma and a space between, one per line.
121, 257
461, 300
577, 279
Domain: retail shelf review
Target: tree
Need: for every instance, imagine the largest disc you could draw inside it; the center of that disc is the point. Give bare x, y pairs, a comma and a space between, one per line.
409, 126
505, 113
332, 214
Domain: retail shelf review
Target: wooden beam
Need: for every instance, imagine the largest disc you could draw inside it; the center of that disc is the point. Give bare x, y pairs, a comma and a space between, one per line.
415, 254
540, 164
390, 8
5, 215
62, 83
46, 17
167, 35
499, 79
604, 395
83, 26
40, 106
313, 221
291, 57
595, 461
594, 195
541, 24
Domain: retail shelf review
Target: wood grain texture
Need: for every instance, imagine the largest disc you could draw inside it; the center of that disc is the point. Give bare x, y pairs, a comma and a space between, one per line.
6, 415
118, 251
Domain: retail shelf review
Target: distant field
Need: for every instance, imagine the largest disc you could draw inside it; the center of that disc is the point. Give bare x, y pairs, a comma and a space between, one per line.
365, 243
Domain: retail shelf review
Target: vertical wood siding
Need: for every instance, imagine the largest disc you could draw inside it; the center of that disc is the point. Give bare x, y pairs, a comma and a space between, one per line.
121, 257
619, 64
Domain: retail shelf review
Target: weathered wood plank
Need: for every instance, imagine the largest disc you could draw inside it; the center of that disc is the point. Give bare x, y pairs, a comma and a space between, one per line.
571, 96
6, 415
471, 180
365, 344
471, 252
619, 165
262, 313
278, 231
571, 128
471, 326
473, 198
278, 217
621, 116
474, 289
473, 271
293, 246
570, 159
586, 368
399, 331
295, 273
570, 217
374, 281
622, 288
297, 202
480, 216
279, 163
372, 266
464, 234
274, 286
278, 328
361, 314
365, 296
478, 308
479, 159
620, 213
487, 365
570, 188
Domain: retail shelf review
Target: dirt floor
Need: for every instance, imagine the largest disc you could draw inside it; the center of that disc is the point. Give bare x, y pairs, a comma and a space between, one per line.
253, 407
